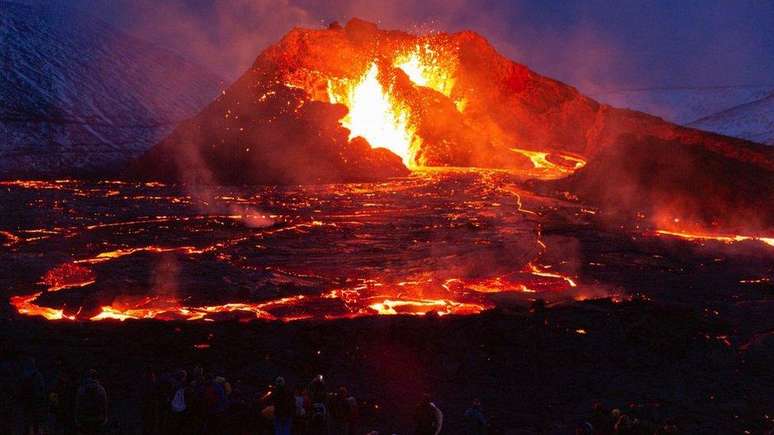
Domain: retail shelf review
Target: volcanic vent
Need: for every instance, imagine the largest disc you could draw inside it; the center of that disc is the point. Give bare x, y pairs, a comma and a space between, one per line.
311, 105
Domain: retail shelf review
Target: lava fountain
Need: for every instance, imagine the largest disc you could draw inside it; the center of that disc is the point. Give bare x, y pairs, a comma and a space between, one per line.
376, 115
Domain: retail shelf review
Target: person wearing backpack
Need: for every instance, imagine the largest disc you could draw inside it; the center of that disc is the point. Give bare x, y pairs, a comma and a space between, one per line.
214, 404
303, 409
178, 404
318, 419
91, 405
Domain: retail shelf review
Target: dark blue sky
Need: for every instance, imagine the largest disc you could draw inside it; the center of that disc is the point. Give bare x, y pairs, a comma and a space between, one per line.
590, 44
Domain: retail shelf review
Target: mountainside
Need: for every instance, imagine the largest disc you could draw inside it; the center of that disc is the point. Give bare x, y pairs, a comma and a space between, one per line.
744, 112
753, 121
683, 105
485, 106
79, 96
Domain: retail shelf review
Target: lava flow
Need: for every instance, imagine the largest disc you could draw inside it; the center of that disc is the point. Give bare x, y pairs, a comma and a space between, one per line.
334, 251
724, 238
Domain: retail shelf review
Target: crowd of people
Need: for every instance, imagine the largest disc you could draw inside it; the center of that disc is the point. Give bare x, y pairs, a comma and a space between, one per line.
193, 402
59, 406
615, 422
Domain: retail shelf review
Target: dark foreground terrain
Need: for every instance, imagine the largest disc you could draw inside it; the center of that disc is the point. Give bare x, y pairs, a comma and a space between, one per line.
533, 371
258, 282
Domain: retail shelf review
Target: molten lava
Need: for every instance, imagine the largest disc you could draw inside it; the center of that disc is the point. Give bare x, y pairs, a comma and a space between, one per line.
723, 238
375, 114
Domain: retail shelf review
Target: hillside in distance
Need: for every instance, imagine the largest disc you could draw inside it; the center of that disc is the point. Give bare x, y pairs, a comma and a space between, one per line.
80, 97
744, 112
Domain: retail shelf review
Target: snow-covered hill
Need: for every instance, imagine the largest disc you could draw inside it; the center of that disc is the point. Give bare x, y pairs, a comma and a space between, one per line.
683, 105
746, 112
79, 96
752, 121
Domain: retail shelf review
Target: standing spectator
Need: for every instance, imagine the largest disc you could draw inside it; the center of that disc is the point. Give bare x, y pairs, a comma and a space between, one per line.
303, 408
428, 417
318, 420
62, 398
476, 422
91, 405
151, 403
284, 407
32, 397
214, 402
343, 412
175, 416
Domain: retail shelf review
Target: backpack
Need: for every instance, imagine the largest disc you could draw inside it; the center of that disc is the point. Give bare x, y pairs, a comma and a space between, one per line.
178, 400
319, 411
91, 401
212, 398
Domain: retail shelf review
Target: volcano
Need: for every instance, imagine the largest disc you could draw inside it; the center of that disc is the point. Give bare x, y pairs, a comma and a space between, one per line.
357, 103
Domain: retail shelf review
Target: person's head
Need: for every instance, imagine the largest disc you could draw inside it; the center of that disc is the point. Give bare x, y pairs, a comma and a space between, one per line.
584, 428
198, 372
615, 413
319, 380
182, 375
300, 390
91, 375
279, 382
476, 403
343, 391
28, 363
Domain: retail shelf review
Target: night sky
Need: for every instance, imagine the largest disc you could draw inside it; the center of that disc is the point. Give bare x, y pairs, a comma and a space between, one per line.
592, 44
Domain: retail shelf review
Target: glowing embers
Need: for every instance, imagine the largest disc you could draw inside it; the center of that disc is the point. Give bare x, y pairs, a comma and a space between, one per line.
68, 275
429, 68
724, 238
376, 114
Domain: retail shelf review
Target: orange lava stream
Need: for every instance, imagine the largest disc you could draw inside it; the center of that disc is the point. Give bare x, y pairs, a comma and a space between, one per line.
549, 169
359, 301
725, 238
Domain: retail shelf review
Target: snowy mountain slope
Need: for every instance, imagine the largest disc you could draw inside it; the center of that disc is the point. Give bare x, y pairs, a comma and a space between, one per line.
683, 105
752, 121
77, 96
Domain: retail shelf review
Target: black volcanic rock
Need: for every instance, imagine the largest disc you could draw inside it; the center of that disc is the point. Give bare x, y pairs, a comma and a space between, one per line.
670, 179
263, 132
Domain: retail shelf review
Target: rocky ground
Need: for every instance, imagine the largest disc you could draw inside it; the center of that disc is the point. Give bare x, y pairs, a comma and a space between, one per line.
533, 370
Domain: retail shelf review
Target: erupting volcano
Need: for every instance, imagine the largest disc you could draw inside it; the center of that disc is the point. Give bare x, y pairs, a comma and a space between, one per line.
403, 214
467, 160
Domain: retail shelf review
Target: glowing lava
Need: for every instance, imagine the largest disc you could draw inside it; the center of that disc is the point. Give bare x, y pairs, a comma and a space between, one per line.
423, 67
724, 238
376, 115
540, 162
